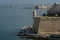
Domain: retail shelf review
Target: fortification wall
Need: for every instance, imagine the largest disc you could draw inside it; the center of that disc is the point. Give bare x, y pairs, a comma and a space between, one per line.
49, 25
46, 25
36, 24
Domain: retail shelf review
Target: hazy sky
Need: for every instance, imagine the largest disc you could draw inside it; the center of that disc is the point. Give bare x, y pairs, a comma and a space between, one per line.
28, 1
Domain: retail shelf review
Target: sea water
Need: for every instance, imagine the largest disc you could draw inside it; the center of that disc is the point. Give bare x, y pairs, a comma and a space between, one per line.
13, 19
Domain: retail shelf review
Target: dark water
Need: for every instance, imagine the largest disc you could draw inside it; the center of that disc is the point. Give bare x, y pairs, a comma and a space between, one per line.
13, 19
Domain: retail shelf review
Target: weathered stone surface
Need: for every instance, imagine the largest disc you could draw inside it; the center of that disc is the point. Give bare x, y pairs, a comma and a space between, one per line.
47, 25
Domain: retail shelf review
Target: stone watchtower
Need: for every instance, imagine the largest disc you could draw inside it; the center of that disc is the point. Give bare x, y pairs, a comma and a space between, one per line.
49, 24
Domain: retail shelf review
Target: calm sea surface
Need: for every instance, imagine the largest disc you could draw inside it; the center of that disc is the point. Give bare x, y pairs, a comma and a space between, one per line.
12, 20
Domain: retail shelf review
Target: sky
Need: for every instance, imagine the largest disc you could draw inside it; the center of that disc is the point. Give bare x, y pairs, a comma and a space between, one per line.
28, 1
